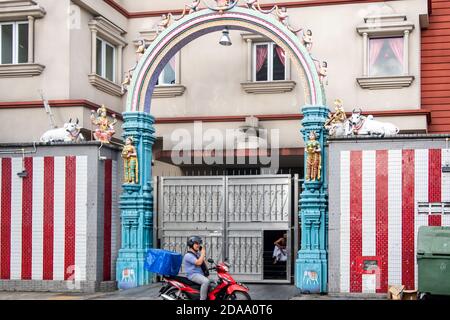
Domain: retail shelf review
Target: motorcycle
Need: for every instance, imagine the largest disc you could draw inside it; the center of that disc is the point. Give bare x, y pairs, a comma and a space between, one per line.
225, 288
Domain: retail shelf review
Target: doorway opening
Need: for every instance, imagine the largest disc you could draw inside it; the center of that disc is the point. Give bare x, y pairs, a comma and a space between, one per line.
276, 256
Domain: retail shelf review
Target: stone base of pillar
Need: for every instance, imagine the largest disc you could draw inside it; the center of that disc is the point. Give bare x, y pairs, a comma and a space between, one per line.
130, 270
311, 271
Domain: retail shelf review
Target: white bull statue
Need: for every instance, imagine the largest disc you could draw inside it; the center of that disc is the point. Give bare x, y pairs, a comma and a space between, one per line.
361, 125
70, 132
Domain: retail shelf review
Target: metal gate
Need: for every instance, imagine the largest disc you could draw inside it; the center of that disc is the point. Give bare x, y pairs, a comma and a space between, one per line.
229, 212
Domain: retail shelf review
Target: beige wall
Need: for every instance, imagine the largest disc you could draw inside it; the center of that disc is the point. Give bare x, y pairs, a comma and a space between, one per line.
211, 73
335, 40
26, 125
288, 132
80, 67
51, 50
98, 7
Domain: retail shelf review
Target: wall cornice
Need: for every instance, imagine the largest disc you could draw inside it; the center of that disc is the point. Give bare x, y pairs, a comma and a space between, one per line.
292, 116
56, 104
288, 4
20, 9
20, 70
237, 118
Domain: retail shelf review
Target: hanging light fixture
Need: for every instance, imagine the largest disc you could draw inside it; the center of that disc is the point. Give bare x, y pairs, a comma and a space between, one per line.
225, 40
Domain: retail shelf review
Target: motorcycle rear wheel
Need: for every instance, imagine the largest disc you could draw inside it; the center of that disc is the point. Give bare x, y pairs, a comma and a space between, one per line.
173, 293
238, 295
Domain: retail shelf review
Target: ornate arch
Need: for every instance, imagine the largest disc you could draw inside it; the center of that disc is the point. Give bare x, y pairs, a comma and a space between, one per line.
137, 200
195, 25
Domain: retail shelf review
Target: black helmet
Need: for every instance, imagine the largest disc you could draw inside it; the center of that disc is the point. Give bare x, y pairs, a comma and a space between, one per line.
194, 239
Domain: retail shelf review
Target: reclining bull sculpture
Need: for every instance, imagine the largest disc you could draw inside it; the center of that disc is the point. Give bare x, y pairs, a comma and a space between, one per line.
339, 125
70, 132
361, 125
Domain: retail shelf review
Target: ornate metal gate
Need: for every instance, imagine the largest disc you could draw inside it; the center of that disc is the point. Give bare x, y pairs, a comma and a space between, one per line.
230, 213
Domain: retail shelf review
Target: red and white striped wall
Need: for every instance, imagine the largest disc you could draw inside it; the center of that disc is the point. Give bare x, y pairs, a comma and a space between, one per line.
379, 192
43, 218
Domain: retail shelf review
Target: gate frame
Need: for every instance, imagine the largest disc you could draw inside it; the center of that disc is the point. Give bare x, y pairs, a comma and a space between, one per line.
136, 202
158, 218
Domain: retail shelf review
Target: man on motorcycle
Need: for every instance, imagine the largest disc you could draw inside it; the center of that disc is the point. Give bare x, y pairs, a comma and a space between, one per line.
194, 265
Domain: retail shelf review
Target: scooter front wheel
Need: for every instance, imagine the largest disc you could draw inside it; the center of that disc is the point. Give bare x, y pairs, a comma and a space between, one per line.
238, 295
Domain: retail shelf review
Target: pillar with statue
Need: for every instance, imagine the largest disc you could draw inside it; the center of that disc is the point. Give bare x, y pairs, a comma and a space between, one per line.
136, 202
311, 264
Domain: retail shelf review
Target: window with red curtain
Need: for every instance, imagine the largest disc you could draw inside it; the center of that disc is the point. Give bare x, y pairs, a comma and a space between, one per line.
261, 62
269, 62
386, 56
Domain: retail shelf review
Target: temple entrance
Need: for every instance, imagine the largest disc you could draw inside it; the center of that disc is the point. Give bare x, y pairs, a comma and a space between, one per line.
137, 202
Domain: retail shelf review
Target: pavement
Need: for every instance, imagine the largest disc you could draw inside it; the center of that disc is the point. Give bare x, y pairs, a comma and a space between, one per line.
150, 292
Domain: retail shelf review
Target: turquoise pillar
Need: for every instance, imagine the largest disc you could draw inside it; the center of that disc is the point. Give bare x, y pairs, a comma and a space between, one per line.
136, 204
311, 265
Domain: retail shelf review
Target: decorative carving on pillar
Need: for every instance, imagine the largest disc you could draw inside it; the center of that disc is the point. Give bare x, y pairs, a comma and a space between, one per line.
136, 202
311, 264
130, 162
314, 158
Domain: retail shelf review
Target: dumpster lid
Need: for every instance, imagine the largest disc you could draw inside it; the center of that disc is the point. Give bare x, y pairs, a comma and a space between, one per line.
433, 240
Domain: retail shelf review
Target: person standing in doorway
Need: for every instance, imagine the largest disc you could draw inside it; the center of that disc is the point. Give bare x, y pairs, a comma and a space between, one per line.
279, 252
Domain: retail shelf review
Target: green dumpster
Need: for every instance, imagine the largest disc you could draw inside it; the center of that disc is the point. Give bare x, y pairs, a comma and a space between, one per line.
433, 259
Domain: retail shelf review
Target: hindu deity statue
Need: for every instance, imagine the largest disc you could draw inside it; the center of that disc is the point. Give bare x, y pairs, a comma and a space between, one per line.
338, 117
314, 158
283, 17
105, 129
193, 7
222, 5
307, 39
130, 161
164, 23
323, 73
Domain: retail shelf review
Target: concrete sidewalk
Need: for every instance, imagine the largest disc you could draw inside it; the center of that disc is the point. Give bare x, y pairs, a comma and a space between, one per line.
341, 296
150, 292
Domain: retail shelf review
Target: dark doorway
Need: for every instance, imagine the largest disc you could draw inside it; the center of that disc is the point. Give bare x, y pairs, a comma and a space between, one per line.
273, 269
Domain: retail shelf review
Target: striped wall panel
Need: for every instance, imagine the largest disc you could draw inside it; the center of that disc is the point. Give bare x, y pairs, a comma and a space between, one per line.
43, 218
379, 193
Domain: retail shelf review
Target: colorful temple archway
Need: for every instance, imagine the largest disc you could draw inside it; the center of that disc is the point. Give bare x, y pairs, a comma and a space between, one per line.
137, 201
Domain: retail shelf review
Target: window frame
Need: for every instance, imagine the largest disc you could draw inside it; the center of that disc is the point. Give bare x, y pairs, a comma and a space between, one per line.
15, 40
162, 74
103, 60
386, 26
270, 46
402, 73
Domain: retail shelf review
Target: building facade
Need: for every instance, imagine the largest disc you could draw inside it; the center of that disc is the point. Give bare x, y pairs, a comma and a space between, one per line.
78, 53
387, 58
